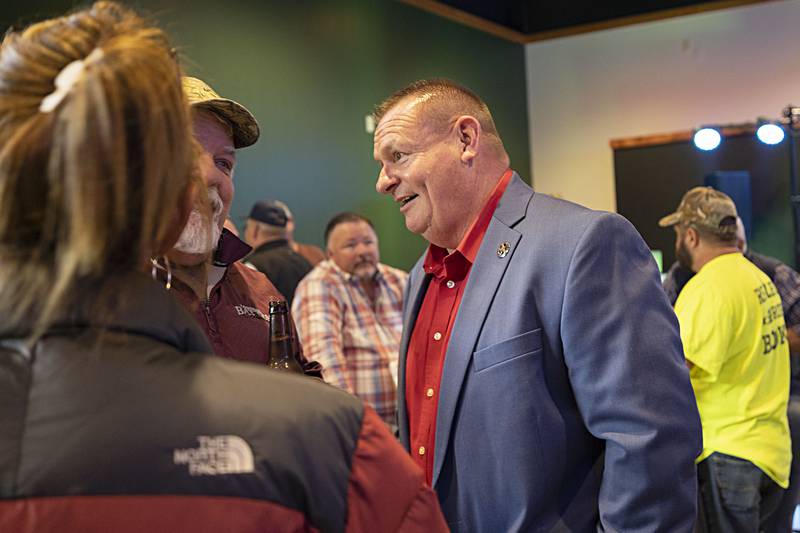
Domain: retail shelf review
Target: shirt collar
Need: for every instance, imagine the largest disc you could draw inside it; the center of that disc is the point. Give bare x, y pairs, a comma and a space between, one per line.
456, 264
351, 278
271, 245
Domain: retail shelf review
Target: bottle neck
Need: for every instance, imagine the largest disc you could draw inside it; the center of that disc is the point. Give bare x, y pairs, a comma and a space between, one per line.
279, 324
282, 344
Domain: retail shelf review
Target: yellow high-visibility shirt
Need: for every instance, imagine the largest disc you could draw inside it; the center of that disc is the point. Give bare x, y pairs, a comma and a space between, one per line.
733, 333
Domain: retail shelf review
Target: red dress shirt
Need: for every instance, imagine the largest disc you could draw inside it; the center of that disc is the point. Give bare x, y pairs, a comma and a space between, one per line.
431, 335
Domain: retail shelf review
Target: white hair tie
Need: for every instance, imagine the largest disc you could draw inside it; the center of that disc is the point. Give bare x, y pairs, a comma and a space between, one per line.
65, 80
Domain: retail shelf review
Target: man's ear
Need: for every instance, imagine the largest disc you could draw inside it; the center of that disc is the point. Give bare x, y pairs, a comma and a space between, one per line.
468, 130
693, 237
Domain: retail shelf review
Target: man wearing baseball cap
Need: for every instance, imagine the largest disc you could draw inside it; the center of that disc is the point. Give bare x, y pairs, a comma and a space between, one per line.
228, 300
311, 252
266, 231
734, 338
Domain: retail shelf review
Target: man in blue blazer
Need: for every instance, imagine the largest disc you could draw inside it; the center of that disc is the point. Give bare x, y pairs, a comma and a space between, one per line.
542, 382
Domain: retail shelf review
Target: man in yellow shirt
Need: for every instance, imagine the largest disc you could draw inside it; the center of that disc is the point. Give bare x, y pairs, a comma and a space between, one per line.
734, 338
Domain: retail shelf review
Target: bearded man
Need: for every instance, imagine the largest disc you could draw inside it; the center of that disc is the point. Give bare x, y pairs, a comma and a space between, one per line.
349, 314
735, 340
229, 300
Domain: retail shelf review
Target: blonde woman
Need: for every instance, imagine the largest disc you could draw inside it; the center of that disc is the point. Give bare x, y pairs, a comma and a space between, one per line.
113, 415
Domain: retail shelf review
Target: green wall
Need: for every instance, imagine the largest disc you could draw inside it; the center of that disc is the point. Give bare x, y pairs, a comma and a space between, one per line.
311, 71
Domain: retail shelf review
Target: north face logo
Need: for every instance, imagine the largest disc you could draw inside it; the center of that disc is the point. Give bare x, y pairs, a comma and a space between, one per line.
222, 454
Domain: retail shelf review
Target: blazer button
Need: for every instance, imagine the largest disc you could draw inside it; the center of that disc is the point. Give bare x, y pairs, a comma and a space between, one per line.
421, 450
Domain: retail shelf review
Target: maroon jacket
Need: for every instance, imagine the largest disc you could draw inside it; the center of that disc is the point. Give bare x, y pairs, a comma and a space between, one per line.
116, 420
234, 317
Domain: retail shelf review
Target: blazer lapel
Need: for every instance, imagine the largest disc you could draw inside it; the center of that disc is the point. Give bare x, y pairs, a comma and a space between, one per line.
416, 294
484, 278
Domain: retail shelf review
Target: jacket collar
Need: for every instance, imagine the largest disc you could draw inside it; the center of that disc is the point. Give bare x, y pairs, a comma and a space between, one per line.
485, 277
230, 249
130, 303
271, 245
487, 273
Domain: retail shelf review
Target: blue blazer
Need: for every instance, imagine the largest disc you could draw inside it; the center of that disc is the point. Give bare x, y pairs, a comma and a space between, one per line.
565, 402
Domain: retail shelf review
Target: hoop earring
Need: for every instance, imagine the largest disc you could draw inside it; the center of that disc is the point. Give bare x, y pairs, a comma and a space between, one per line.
166, 268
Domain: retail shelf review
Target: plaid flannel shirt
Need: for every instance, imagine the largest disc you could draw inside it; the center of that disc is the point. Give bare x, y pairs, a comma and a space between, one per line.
356, 341
787, 281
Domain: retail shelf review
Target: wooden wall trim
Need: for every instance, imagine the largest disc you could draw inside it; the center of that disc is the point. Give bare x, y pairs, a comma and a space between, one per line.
640, 19
643, 141
498, 30
468, 19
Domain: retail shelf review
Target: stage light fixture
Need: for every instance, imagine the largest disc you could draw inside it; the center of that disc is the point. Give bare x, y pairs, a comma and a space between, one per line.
707, 139
770, 134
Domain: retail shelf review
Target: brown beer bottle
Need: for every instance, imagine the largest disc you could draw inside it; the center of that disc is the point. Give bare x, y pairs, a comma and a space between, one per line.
281, 339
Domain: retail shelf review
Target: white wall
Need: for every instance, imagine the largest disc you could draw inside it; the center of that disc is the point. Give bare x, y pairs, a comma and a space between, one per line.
728, 66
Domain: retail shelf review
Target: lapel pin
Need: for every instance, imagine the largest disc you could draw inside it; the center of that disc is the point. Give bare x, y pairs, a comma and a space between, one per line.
503, 249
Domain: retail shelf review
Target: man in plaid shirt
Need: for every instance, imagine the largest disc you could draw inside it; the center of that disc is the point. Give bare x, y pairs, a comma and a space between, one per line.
348, 312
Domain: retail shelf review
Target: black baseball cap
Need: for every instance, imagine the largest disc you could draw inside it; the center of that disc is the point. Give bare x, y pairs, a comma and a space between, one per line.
269, 212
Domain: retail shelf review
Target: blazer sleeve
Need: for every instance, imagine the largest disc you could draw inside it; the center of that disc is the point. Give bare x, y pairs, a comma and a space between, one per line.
627, 369
387, 491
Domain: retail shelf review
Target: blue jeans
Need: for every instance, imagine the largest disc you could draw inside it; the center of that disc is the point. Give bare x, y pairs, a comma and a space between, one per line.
781, 521
735, 494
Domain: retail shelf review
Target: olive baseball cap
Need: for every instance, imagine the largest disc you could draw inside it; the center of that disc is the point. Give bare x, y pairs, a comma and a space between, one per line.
244, 125
704, 208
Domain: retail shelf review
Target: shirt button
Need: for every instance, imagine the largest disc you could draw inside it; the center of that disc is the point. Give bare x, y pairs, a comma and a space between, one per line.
421, 450
429, 393
450, 283
437, 336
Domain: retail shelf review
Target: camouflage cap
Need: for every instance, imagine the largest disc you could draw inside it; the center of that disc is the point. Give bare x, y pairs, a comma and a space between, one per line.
245, 127
704, 208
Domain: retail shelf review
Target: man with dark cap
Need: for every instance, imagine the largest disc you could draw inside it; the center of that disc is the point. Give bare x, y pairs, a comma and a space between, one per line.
734, 338
272, 255
228, 300
312, 253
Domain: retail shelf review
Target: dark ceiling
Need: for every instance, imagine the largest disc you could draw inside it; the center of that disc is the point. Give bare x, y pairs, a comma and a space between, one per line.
530, 20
